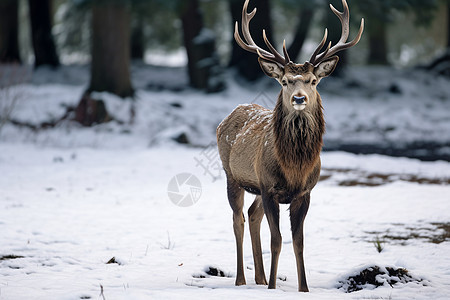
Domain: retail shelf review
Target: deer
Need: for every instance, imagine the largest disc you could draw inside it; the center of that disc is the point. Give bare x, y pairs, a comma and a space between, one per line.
275, 154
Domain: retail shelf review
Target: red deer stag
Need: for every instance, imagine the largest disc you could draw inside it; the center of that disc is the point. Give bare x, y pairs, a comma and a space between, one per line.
276, 154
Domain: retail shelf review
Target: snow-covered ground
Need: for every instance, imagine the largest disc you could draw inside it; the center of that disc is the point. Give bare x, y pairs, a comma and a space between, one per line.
72, 198
400, 112
66, 212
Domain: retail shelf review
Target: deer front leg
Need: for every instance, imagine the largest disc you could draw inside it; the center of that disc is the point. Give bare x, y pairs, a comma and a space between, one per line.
255, 215
236, 200
298, 209
272, 212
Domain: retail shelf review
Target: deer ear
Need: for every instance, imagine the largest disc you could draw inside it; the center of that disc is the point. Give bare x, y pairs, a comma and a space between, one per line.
326, 67
271, 69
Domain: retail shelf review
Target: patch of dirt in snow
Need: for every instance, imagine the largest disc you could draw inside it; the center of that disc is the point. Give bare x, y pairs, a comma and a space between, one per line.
375, 276
354, 177
211, 271
11, 256
113, 260
402, 234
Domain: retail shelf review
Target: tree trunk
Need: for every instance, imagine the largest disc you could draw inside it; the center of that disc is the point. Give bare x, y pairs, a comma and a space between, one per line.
41, 31
9, 44
306, 15
246, 62
110, 67
137, 37
448, 24
192, 20
203, 62
376, 30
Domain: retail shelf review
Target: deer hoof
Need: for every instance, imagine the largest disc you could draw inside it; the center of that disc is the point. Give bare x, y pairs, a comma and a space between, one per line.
260, 281
240, 281
303, 289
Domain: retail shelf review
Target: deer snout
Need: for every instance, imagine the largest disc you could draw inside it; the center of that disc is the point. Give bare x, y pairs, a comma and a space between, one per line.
299, 102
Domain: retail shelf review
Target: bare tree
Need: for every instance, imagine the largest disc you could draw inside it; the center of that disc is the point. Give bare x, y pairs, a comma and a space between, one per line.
203, 62
9, 45
137, 40
378, 47
380, 14
41, 30
110, 67
448, 24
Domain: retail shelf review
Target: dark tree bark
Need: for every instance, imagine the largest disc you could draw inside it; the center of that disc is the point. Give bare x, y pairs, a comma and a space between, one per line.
91, 111
110, 67
305, 16
448, 24
376, 30
137, 37
192, 20
41, 31
9, 44
246, 62
203, 62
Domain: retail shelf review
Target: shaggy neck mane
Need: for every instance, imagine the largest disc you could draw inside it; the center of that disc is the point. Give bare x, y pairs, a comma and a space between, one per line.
298, 140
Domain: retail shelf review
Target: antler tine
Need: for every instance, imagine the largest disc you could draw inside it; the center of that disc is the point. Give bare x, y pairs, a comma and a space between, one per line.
246, 18
250, 45
249, 48
342, 44
344, 17
319, 47
277, 56
286, 55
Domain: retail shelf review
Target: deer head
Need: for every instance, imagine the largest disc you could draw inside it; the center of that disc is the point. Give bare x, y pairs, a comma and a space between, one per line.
298, 81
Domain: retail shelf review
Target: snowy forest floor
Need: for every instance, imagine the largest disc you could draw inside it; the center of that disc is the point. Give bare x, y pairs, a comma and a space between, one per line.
369, 110
72, 198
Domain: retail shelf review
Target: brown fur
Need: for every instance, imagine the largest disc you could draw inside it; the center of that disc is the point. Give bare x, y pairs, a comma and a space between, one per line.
276, 155
298, 142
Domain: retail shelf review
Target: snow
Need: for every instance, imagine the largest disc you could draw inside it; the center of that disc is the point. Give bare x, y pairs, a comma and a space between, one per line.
402, 107
392, 109
72, 198
68, 211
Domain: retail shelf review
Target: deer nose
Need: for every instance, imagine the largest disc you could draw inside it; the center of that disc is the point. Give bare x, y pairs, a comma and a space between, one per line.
299, 99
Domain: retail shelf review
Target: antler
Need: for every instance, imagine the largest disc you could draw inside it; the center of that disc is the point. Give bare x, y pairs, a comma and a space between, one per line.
250, 46
344, 17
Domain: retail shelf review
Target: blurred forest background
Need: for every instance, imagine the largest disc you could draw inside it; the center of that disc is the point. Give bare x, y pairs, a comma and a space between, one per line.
197, 37
111, 35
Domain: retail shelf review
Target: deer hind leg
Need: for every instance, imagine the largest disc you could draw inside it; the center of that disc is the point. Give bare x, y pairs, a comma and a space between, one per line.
298, 210
272, 212
236, 200
255, 215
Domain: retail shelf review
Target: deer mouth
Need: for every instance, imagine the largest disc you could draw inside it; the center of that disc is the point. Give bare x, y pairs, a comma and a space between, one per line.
299, 102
